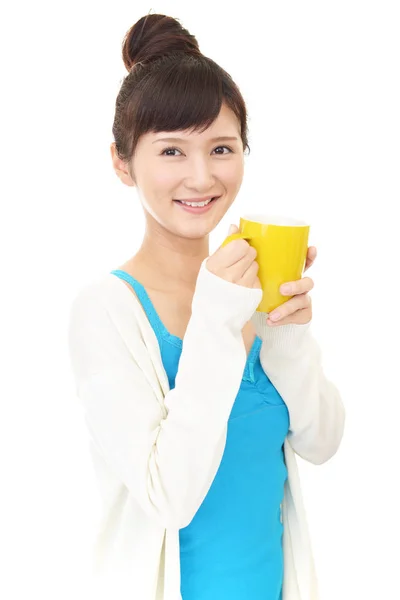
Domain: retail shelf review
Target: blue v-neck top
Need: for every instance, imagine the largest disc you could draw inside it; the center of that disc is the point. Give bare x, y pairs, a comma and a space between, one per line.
232, 548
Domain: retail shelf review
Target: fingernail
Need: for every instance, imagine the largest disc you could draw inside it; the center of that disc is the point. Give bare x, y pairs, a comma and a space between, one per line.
286, 289
231, 229
275, 316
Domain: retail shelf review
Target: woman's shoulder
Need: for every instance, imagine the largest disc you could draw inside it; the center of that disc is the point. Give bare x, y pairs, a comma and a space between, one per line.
106, 289
105, 305
105, 327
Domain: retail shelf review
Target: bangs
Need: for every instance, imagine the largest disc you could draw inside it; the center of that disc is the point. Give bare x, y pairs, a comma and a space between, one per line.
175, 92
180, 95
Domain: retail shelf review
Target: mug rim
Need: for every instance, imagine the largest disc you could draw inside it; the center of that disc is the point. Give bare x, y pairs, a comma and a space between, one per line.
274, 219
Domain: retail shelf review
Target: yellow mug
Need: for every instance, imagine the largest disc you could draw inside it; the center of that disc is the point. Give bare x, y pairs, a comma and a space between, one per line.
281, 243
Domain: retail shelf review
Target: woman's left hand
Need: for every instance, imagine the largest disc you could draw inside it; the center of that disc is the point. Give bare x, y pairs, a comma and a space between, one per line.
299, 308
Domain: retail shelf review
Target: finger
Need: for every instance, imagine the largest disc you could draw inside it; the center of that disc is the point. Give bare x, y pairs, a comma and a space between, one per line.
291, 306
300, 317
249, 275
238, 270
233, 229
311, 256
298, 287
235, 251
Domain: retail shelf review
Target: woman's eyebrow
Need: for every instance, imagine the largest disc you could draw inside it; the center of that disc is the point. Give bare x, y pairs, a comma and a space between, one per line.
180, 140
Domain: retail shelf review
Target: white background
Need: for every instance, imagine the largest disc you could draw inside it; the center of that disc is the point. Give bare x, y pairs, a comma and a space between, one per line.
321, 82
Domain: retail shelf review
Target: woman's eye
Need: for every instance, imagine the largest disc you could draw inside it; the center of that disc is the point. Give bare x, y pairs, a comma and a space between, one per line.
168, 150
230, 150
163, 153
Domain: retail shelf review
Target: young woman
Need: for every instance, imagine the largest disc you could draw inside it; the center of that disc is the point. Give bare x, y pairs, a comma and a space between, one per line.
196, 403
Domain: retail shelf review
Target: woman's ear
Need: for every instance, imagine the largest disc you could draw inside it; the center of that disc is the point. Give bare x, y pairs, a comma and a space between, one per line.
121, 167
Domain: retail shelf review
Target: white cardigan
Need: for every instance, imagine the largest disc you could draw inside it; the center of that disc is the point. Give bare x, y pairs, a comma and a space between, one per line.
156, 451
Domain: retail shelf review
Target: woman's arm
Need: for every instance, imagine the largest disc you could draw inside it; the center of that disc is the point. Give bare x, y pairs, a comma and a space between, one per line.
165, 450
291, 358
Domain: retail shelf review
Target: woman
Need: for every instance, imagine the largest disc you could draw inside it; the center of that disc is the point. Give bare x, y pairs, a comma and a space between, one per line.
195, 403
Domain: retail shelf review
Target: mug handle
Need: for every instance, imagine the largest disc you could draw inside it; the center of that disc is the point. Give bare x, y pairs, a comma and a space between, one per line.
235, 236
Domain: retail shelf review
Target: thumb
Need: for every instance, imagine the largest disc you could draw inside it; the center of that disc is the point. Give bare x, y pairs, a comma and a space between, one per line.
233, 229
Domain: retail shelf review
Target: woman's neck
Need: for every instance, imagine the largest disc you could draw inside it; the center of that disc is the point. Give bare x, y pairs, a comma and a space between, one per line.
177, 262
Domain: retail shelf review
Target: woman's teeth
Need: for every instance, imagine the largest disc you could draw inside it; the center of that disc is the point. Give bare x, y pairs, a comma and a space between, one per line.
196, 203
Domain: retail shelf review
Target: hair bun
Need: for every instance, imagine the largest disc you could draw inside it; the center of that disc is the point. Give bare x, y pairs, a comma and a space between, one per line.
154, 36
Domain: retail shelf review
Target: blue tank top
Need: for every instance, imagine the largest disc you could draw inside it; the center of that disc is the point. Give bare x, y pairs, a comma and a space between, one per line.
232, 549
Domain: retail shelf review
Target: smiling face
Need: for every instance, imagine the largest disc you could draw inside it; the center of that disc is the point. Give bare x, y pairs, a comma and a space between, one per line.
192, 166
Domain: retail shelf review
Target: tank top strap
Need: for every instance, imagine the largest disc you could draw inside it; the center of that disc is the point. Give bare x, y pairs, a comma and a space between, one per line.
249, 374
144, 299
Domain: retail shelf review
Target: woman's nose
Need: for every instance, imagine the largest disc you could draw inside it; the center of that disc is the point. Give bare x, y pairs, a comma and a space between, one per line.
200, 175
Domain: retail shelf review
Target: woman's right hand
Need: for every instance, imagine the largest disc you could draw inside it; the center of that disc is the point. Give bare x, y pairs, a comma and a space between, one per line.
235, 263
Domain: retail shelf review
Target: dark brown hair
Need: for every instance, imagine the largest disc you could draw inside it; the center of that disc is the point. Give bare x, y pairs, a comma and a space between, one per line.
171, 85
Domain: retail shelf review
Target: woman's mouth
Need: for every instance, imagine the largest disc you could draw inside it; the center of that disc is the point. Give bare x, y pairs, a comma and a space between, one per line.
197, 207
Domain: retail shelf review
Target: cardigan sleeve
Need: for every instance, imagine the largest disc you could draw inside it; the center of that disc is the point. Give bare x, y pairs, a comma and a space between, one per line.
167, 456
291, 358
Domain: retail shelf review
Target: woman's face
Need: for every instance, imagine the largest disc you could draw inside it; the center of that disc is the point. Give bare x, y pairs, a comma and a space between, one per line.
192, 167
